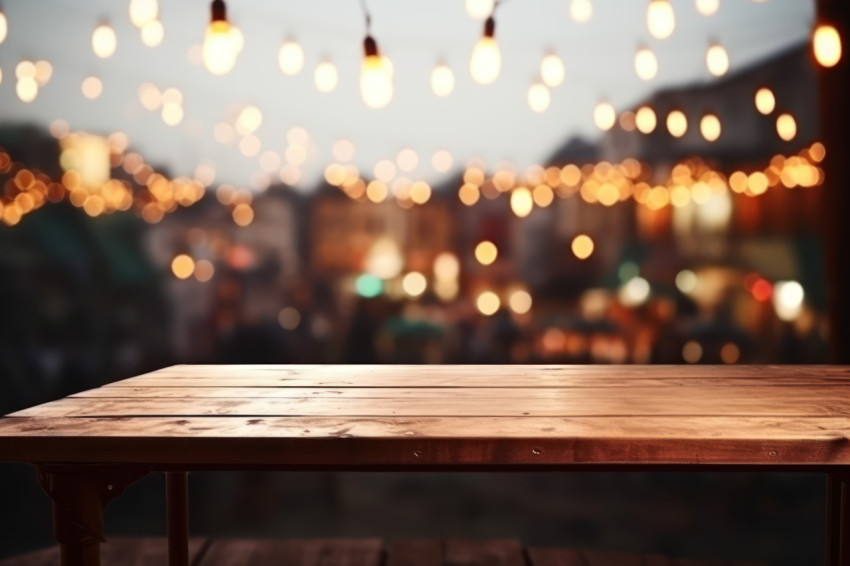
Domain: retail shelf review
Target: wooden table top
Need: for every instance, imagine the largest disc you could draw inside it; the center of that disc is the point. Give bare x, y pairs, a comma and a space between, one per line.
422, 416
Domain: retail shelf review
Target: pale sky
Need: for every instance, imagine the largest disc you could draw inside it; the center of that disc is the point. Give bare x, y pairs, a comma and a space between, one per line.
491, 122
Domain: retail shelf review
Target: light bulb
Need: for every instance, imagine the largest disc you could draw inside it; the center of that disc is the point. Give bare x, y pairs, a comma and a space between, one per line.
765, 101
538, 97
4, 27
717, 60
143, 11
604, 116
222, 42
707, 7
646, 120
710, 128
677, 123
646, 65
104, 41
552, 70
442, 80
660, 19
290, 58
581, 11
486, 60
326, 76
826, 43
376, 82
152, 33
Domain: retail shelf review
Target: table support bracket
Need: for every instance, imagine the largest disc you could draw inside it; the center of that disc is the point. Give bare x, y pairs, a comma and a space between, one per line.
838, 519
79, 494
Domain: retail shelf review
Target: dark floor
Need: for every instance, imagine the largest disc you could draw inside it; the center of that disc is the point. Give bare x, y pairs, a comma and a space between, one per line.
775, 518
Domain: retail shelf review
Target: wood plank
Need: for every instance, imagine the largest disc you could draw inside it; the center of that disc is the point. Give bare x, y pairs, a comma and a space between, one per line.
117, 551
471, 552
415, 553
713, 391
338, 552
427, 441
474, 375
570, 406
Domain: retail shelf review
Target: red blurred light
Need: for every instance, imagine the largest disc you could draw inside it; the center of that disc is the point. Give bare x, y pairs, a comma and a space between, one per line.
761, 290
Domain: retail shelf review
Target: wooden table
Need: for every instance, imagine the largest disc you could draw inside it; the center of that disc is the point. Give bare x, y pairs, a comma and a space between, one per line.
88, 447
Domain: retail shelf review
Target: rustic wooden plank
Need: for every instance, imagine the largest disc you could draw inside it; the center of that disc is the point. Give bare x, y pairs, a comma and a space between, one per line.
415, 553
814, 393
339, 552
427, 441
472, 375
571, 406
118, 551
470, 552
555, 557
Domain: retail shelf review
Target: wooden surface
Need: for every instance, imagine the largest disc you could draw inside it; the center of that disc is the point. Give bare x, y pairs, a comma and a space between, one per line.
368, 552
351, 416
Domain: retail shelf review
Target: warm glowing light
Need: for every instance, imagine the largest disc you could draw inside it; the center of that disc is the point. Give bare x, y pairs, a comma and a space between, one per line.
420, 192
442, 80
290, 57
707, 7
717, 60
343, 150
172, 113
222, 42
646, 120
786, 127
646, 64
582, 246
480, 9
710, 128
414, 284
635, 292
488, 303
289, 318
677, 123
788, 299
325, 76
543, 195
826, 43
486, 60
552, 70
522, 202
143, 11
765, 101
204, 270
4, 27
384, 259
153, 33
604, 116
92, 87
687, 281
469, 194
441, 161
43, 72
692, 352
249, 120
26, 89
376, 82
104, 41
538, 97
520, 301
446, 266
376, 191
486, 252
182, 266
660, 19
384, 170
730, 353
581, 11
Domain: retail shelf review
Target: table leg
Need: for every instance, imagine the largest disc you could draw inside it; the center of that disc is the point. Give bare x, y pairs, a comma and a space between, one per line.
838, 519
79, 494
177, 502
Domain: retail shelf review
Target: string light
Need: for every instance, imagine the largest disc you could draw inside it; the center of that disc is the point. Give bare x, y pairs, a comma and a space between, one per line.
786, 127
222, 41
646, 64
582, 246
92, 87
604, 116
538, 97
4, 26
143, 12
152, 33
660, 19
717, 60
707, 7
326, 76
645, 120
486, 60
677, 123
765, 101
442, 80
581, 11
710, 128
376, 83
826, 43
104, 41
552, 70
290, 57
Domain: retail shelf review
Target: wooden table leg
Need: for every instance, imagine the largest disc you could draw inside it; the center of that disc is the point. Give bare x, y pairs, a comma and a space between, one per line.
177, 503
838, 519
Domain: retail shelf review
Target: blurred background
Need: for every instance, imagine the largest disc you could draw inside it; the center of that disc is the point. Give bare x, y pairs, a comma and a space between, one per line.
573, 181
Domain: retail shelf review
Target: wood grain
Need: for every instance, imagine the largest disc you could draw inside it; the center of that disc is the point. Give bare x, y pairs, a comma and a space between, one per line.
319, 552
118, 551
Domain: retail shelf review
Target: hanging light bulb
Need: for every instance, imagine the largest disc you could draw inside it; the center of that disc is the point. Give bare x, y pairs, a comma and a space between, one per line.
604, 115
152, 33
104, 41
646, 64
538, 97
4, 26
717, 60
486, 60
143, 11
826, 43
552, 70
581, 11
222, 41
376, 82
442, 80
660, 19
326, 76
479, 9
290, 58
708, 7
